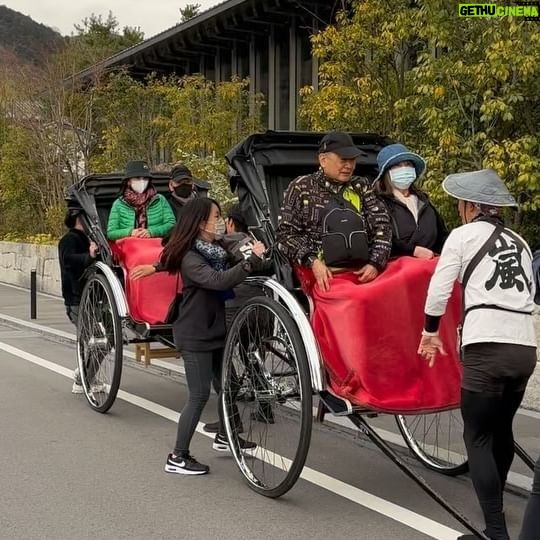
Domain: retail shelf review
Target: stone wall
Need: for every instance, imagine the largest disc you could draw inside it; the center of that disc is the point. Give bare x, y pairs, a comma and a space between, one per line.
18, 260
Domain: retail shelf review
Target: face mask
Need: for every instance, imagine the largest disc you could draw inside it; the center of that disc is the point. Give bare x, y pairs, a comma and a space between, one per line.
220, 228
139, 186
183, 190
402, 177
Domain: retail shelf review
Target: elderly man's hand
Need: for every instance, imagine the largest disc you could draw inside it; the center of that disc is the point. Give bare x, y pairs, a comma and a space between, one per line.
367, 273
142, 270
322, 274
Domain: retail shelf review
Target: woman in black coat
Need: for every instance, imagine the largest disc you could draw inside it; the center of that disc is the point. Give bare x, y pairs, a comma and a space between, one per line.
417, 228
199, 330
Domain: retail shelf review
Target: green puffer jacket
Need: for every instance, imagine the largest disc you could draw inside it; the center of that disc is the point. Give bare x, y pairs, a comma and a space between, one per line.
122, 218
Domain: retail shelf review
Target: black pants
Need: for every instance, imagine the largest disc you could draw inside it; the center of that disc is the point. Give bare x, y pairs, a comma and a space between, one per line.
73, 313
531, 520
490, 443
202, 369
494, 380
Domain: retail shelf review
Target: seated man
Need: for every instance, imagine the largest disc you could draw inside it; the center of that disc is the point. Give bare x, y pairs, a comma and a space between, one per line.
183, 187
75, 254
331, 220
140, 211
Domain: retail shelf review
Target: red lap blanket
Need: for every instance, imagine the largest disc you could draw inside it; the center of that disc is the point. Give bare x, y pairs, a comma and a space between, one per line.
368, 335
148, 298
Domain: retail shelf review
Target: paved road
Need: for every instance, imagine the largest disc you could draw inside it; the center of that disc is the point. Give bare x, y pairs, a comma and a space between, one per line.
69, 472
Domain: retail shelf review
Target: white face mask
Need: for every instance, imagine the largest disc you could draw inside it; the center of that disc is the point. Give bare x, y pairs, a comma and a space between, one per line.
219, 229
402, 177
139, 185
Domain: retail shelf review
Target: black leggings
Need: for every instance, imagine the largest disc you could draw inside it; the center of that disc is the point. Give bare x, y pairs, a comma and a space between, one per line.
531, 521
202, 369
490, 443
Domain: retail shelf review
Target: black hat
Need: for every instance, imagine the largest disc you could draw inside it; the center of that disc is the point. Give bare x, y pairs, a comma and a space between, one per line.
74, 206
339, 143
137, 169
181, 172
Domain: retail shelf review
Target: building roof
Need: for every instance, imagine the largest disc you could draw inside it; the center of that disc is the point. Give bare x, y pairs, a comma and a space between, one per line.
229, 22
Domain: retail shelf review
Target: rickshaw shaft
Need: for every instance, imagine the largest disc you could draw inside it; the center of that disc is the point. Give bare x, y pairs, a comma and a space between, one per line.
365, 428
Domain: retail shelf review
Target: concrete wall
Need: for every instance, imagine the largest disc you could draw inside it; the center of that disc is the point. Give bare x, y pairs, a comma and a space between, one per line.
18, 260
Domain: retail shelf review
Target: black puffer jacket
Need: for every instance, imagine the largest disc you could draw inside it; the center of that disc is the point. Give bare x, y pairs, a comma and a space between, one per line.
430, 231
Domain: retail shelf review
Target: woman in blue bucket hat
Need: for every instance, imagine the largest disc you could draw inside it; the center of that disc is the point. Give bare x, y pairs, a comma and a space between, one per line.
417, 228
498, 345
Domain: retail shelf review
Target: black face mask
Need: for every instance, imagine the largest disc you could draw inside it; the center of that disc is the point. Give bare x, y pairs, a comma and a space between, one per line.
183, 190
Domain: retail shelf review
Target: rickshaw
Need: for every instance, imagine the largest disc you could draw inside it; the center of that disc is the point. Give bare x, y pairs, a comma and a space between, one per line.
275, 376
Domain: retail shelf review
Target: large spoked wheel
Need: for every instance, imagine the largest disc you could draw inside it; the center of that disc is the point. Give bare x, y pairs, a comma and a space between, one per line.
267, 391
436, 440
99, 344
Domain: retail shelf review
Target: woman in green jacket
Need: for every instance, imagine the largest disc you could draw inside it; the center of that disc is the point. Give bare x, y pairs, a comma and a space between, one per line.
140, 211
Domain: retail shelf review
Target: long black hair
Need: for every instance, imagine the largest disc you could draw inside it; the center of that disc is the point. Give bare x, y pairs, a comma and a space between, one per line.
186, 231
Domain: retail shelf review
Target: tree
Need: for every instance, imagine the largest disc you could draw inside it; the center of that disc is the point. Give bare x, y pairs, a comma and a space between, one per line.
97, 38
189, 11
206, 118
462, 92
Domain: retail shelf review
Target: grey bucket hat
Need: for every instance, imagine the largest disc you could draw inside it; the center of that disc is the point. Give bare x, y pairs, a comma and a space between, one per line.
480, 187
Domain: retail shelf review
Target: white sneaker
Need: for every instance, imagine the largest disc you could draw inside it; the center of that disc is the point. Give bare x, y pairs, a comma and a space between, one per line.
77, 383
77, 388
98, 388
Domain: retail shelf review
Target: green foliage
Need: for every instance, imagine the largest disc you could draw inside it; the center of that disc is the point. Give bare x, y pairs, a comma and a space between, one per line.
189, 11
20, 207
205, 118
212, 170
462, 92
97, 38
128, 122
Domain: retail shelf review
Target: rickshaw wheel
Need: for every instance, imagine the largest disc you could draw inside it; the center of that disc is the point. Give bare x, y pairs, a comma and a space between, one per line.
436, 440
267, 389
99, 344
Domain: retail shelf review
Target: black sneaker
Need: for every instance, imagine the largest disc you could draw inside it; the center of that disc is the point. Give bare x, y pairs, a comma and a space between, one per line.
221, 444
185, 465
213, 427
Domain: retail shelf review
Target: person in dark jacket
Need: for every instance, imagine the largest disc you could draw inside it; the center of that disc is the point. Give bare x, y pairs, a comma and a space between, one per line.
183, 187
75, 254
199, 330
331, 216
417, 228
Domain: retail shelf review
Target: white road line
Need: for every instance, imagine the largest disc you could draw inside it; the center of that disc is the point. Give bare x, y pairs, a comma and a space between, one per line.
168, 365
390, 510
73, 338
515, 479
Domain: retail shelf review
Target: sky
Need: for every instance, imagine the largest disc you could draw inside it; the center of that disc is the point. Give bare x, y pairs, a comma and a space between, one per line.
152, 16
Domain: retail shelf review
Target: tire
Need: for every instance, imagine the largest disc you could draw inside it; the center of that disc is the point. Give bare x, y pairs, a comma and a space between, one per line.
99, 344
267, 389
436, 440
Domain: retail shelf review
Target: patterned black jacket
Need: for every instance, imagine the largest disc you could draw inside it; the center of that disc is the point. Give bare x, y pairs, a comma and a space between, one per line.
300, 226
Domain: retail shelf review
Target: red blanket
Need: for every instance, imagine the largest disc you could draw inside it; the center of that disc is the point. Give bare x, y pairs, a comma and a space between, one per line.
148, 298
368, 335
